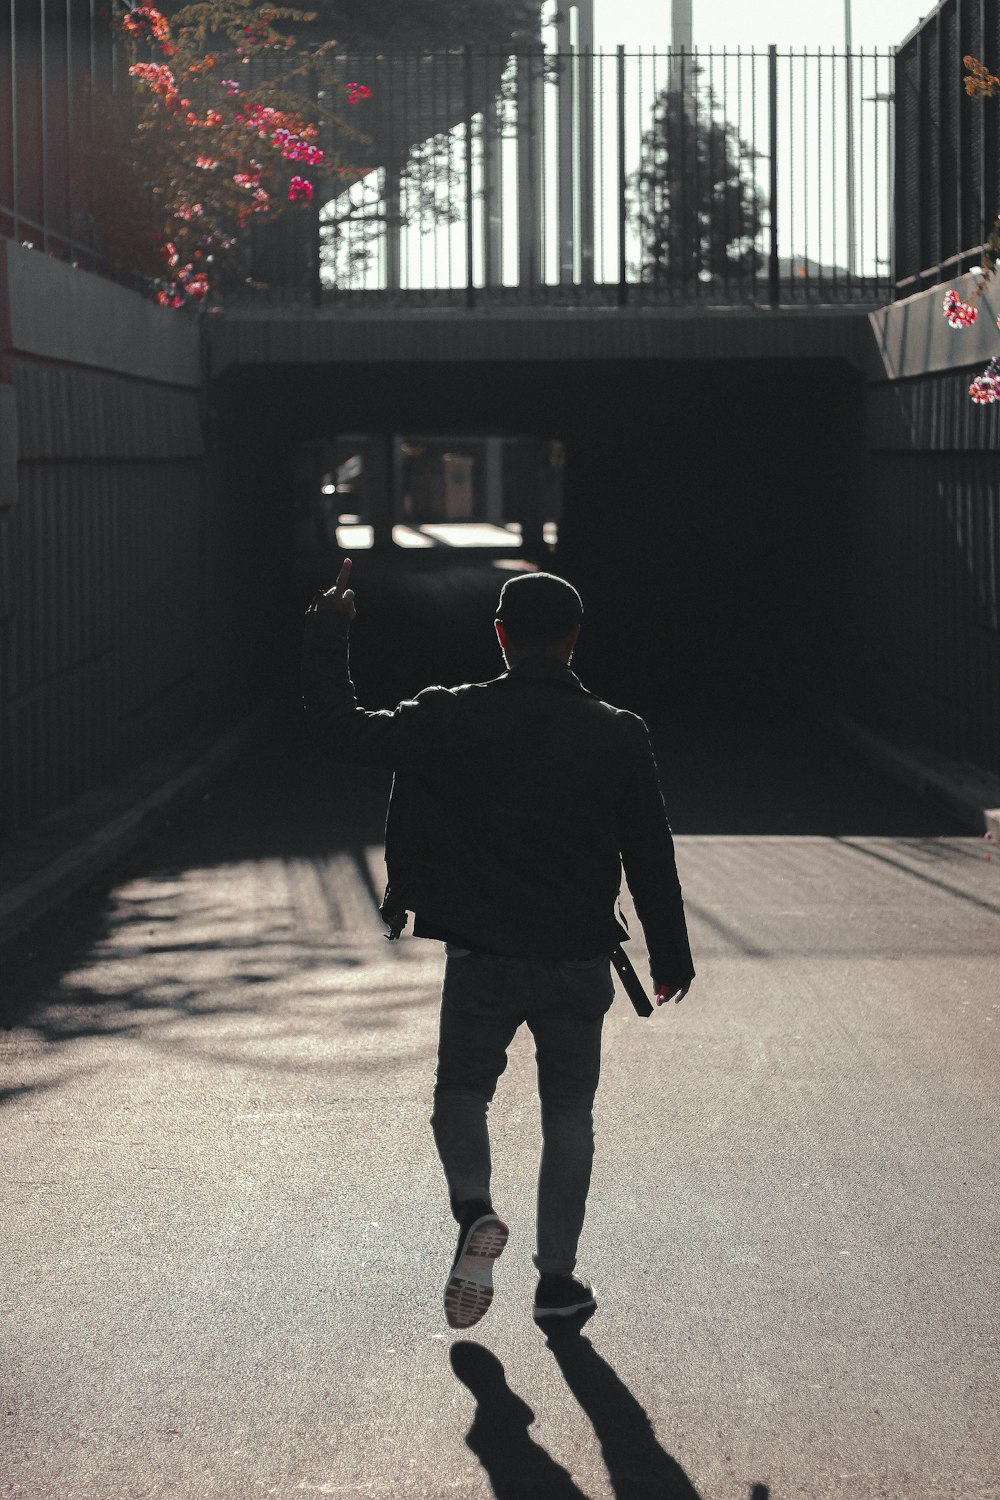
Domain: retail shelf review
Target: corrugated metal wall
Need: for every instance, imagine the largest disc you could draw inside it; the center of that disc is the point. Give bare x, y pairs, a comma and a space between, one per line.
102, 638
927, 550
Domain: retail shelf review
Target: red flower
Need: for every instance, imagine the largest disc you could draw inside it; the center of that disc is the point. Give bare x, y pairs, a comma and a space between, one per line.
959, 314
300, 188
984, 390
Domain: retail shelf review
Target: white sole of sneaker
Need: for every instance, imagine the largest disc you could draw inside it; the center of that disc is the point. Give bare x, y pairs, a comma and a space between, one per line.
470, 1286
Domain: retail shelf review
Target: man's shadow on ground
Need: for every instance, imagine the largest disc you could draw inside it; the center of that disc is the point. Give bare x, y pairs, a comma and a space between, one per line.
519, 1468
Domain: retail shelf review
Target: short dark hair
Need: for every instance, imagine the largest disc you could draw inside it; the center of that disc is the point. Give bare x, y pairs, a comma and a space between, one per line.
538, 609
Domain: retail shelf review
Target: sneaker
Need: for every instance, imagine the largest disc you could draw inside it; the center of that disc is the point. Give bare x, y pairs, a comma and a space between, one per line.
481, 1237
562, 1296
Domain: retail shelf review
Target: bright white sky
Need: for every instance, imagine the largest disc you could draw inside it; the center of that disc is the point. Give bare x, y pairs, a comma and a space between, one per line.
755, 23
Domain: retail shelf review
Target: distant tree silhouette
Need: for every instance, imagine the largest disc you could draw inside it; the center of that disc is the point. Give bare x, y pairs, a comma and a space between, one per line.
695, 201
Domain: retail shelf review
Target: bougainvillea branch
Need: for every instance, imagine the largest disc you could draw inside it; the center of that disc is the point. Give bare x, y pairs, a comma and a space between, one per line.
222, 143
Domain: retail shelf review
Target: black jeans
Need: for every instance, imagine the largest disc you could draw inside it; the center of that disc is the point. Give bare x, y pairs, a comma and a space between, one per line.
485, 998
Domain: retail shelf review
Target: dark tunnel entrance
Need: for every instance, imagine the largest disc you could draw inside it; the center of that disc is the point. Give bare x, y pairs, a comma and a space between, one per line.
704, 512
709, 516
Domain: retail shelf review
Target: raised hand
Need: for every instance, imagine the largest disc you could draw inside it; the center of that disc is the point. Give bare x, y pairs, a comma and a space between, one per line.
340, 597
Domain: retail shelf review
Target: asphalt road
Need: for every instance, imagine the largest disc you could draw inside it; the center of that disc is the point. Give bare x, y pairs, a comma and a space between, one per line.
226, 1235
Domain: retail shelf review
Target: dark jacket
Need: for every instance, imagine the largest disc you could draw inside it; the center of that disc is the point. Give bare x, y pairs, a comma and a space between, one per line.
514, 805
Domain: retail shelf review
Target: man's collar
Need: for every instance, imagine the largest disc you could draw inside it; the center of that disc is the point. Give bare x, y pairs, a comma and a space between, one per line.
546, 667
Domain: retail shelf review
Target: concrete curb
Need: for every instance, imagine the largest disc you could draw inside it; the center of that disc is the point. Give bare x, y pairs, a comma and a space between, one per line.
972, 793
24, 903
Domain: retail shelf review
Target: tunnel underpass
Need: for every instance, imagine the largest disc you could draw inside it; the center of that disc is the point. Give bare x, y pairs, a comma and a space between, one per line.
705, 512
706, 520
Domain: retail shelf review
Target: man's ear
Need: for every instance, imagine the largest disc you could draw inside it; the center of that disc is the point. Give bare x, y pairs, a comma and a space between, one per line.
501, 633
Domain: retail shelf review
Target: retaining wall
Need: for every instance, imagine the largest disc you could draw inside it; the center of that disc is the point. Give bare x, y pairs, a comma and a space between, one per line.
117, 533
926, 535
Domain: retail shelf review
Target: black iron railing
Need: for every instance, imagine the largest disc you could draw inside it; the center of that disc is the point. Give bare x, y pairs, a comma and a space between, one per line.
947, 188
712, 177
57, 60
581, 177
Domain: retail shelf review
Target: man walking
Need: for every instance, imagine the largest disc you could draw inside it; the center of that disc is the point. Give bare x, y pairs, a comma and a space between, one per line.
515, 804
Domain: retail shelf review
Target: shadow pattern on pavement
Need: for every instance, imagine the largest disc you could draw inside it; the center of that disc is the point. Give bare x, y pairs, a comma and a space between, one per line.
257, 902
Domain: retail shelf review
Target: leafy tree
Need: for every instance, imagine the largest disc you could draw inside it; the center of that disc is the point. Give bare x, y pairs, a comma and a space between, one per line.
695, 203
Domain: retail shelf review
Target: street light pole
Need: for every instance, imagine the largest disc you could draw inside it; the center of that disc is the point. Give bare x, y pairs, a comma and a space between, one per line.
681, 40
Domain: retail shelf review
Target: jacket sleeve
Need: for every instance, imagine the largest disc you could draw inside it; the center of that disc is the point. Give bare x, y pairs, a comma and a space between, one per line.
408, 735
647, 850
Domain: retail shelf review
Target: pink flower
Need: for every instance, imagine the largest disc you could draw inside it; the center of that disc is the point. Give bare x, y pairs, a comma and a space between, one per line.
230, 85
207, 163
297, 150
959, 314
984, 390
146, 23
156, 76
298, 188
357, 92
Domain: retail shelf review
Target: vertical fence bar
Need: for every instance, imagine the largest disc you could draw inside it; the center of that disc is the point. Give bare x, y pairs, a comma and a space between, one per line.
959, 141
820, 231
586, 156
599, 198
470, 280
790, 205
622, 182
943, 89
876, 165
564, 156
393, 186
15, 144
71, 224
981, 113
849, 147
774, 282
861, 156
923, 162
491, 179
43, 111
833, 166
447, 108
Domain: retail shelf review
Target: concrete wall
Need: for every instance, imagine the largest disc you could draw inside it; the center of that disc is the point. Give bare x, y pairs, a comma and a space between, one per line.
926, 529
116, 537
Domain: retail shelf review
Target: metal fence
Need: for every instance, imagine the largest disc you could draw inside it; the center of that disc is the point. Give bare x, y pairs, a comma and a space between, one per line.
573, 177
57, 60
718, 177
947, 190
